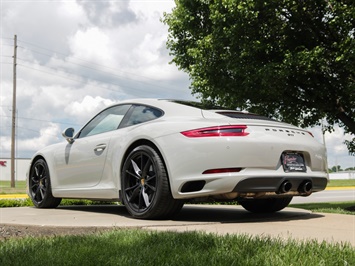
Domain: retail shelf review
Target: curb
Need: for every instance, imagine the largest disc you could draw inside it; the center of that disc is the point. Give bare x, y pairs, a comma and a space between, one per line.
340, 188
14, 196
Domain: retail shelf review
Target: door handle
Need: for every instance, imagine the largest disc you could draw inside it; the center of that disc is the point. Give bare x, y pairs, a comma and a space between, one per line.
100, 147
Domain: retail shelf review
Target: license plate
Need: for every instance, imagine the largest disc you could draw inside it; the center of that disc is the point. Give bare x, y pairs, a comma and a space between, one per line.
293, 162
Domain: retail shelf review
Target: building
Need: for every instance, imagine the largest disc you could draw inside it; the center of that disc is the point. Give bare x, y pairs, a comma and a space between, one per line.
342, 175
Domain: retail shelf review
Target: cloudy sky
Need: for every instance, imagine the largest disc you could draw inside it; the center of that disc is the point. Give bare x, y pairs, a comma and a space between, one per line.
76, 57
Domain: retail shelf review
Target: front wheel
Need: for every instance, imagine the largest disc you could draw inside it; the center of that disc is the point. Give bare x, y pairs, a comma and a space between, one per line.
39, 186
268, 205
145, 186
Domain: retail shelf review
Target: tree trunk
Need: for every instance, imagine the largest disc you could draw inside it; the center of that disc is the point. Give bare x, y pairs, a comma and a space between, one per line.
347, 120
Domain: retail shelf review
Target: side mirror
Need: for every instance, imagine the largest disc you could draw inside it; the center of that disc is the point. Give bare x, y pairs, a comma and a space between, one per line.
68, 134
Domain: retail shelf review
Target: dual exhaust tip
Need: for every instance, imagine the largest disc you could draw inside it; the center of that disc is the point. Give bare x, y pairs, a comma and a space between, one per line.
305, 187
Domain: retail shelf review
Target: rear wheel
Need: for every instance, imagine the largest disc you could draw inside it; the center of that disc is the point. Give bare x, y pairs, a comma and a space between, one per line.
145, 186
265, 205
39, 185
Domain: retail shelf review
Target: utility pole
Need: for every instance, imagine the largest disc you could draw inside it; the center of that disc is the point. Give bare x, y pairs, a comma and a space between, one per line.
13, 127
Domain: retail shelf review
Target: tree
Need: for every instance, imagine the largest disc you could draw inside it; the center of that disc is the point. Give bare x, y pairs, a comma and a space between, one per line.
292, 60
336, 169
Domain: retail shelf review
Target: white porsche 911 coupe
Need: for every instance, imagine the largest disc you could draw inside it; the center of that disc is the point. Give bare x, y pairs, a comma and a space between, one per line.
154, 155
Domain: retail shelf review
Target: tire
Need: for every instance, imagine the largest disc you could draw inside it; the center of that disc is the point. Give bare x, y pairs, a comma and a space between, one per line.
39, 186
145, 186
265, 205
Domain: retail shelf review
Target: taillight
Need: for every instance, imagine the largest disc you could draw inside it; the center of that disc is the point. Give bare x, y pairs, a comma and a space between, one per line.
217, 131
310, 133
222, 170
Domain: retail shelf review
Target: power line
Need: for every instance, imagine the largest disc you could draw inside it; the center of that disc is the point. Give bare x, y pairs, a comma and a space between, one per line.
29, 129
49, 73
41, 120
83, 60
76, 80
95, 69
6, 38
7, 44
33, 130
69, 76
100, 70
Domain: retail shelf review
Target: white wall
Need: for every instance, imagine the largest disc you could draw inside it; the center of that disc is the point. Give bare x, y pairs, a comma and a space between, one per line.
21, 167
342, 175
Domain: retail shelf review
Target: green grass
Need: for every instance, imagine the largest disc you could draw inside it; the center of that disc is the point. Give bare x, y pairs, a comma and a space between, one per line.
342, 183
5, 187
65, 202
347, 207
139, 247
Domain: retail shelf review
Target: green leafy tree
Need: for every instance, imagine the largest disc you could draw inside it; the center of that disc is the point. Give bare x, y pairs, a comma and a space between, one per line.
289, 59
336, 168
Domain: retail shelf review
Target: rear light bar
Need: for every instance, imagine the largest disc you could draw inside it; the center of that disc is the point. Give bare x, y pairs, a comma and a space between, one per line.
217, 131
222, 170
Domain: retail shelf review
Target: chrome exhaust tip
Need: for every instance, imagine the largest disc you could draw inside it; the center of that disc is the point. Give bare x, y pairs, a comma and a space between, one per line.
305, 187
285, 187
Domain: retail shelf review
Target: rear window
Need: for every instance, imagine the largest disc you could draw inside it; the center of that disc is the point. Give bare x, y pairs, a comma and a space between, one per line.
140, 114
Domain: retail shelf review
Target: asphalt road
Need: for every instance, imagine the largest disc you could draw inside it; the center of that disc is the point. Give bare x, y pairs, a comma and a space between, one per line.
329, 195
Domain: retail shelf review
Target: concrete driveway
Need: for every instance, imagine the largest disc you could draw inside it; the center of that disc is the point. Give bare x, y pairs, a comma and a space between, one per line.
289, 223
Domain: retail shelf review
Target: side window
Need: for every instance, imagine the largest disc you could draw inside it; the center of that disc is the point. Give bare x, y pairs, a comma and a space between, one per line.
105, 121
141, 114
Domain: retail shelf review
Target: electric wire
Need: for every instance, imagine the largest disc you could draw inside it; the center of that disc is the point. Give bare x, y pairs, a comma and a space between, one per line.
80, 59
41, 120
105, 72
122, 86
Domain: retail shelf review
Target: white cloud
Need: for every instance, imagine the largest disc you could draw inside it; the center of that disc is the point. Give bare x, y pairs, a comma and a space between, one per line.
108, 13
91, 44
87, 107
47, 135
336, 149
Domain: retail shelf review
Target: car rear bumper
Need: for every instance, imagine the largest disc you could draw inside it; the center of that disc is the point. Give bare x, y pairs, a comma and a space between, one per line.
250, 184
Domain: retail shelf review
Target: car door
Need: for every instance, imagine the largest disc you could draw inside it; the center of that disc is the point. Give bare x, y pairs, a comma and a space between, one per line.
81, 163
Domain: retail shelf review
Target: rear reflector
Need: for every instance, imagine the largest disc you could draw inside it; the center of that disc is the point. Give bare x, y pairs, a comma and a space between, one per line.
222, 170
218, 131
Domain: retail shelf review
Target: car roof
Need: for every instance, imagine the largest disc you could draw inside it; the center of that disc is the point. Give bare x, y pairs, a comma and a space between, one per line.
169, 107
186, 107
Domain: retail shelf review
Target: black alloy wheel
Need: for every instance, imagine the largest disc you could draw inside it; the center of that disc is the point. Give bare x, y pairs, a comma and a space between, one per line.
40, 186
145, 186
